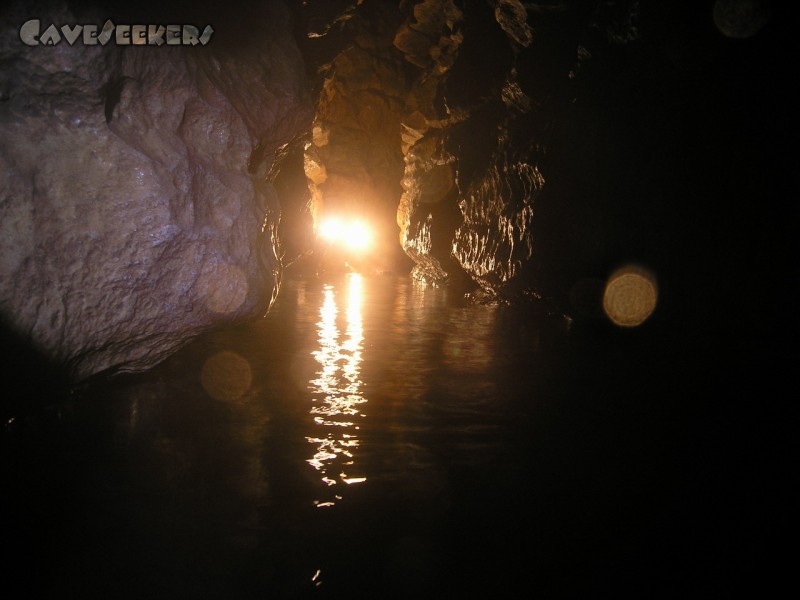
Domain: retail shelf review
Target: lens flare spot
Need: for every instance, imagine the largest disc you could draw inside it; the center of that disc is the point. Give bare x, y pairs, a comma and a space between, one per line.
630, 296
740, 19
224, 287
226, 376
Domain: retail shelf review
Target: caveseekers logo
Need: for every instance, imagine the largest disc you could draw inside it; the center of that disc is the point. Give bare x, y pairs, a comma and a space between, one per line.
31, 34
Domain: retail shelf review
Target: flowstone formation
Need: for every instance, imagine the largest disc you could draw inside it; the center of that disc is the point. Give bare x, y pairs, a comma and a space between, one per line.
542, 145
452, 100
474, 144
136, 211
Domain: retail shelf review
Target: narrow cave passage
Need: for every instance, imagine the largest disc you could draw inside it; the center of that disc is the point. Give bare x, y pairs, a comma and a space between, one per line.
394, 299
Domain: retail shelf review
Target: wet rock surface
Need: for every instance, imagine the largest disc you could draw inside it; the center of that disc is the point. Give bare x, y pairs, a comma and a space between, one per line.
627, 160
546, 144
136, 212
523, 150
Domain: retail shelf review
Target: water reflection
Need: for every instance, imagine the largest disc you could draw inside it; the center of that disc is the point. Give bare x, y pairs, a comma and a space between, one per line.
487, 430
337, 390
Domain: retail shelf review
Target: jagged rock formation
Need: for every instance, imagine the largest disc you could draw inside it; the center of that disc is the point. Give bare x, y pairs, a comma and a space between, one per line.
470, 149
452, 114
136, 211
429, 39
510, 146
538, 141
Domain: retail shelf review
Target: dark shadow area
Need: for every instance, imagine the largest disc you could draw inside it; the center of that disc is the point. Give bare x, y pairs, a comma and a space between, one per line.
499, 443
36, 456
503, 446
33, 384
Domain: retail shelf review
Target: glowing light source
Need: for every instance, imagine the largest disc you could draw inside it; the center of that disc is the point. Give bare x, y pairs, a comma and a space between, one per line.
331, 229
630, 296
357, 235
352, 234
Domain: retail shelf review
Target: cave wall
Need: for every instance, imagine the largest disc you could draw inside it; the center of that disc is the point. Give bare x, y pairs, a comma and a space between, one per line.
455, 100
543, 145
429, 93
136, 210
521, 149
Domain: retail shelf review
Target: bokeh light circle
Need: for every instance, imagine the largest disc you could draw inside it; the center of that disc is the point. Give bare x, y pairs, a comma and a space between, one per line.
226, 376
630, 296
740, 19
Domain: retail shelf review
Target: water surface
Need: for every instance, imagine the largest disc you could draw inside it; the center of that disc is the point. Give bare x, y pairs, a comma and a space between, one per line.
374, 438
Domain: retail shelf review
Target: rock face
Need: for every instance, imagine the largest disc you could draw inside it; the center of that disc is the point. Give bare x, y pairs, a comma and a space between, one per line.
472, 164
513, 146
545, 144
135, 210
427, 215
429, 93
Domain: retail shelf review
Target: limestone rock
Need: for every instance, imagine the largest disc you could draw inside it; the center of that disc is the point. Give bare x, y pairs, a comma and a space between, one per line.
430, 39
512, 17
496, 239
134, 213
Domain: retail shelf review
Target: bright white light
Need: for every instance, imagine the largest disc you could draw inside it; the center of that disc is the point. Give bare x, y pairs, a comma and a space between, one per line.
355, 235
331, 229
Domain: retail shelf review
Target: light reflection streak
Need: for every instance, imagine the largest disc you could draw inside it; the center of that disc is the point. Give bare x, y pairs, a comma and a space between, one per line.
336, 389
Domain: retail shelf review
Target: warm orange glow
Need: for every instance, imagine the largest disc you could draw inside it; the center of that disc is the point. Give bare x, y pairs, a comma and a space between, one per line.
336, 389
352, 234
331, 229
